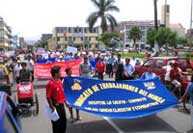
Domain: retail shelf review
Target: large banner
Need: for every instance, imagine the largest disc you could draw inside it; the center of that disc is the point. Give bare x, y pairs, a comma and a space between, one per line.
118, 99
43, 70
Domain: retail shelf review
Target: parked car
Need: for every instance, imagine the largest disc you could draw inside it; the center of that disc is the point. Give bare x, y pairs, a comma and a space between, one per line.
159, 64
5, 58
9, 116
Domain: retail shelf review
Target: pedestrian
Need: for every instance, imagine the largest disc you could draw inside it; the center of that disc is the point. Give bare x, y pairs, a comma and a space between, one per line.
30, 66
85, 68
69, 74
110, 63
129, 69
56, 99
100, 68
16, 71
149, 74
120, 73
24, 73
117, 62
189, 91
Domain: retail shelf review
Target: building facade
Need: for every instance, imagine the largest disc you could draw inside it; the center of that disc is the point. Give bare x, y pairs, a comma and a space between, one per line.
125, 27
179, 29
165, 15
79, 37
5, 35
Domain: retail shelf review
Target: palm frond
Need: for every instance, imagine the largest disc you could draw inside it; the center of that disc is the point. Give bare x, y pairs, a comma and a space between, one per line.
112, 20
92, 20
112, 8
96, 3
104, 25
109, 3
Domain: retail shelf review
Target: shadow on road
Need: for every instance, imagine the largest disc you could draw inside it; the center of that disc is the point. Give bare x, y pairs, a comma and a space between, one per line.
147, 124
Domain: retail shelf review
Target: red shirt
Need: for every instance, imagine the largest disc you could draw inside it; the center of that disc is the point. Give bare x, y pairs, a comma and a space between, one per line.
174, 74
54, 90
100, 67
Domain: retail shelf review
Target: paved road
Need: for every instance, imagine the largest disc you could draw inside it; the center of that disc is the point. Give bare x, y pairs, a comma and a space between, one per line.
172, 120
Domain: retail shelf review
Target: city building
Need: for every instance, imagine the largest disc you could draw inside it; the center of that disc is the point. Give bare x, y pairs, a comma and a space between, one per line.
125, 27
79, 37
165, 15
22, 43
5, 35
179, 29
46, 37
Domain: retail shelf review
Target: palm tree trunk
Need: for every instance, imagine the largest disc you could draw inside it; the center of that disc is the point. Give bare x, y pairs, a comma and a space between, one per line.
155, 14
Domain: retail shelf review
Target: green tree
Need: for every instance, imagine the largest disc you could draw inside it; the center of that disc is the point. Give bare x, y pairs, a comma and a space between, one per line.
182, 40
166, 37
103, 9
43, 44
107, 38
151, 37
135, 34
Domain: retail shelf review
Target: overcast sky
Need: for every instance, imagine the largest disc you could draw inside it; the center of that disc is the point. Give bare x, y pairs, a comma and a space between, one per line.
31, 18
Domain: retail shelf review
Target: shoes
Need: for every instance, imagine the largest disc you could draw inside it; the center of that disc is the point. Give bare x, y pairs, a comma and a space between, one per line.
78, 119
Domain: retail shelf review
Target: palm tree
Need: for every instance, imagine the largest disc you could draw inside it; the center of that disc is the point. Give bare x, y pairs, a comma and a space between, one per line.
103, 6
155, 14
135, 34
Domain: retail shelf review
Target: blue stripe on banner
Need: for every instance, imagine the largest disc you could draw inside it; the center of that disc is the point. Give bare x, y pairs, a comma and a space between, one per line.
118, 99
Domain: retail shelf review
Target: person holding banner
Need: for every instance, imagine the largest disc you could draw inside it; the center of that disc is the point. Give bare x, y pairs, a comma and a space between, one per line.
121, 74
149, 74
69, 74
129, 69
56, 99
189, 91
85, 68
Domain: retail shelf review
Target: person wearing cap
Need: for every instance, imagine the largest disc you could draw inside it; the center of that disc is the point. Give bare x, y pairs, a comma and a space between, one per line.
85, 68
175, 77
69, 74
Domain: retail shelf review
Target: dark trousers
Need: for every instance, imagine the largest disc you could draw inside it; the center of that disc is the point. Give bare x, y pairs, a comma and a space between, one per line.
100, 76
110, 70
59, 126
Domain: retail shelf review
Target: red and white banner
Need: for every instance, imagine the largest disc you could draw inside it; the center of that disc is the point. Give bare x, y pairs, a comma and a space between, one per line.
43, 70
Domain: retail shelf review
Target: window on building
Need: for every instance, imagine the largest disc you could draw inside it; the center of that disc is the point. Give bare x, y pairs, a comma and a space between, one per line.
75, 30
96, 38
74, 38
89, 38
69, 30
86, 38
58, 38
85, 30
94, 30
66, 38
80, 30
70, 38
81, 38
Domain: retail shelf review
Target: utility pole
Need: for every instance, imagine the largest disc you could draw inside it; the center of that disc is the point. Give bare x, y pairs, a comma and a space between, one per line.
190, 43
165, 13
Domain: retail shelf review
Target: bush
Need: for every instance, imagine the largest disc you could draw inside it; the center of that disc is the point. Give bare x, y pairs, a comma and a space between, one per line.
136, 55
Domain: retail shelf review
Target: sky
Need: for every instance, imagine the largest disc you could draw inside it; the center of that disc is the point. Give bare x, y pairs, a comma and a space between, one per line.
31, 18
